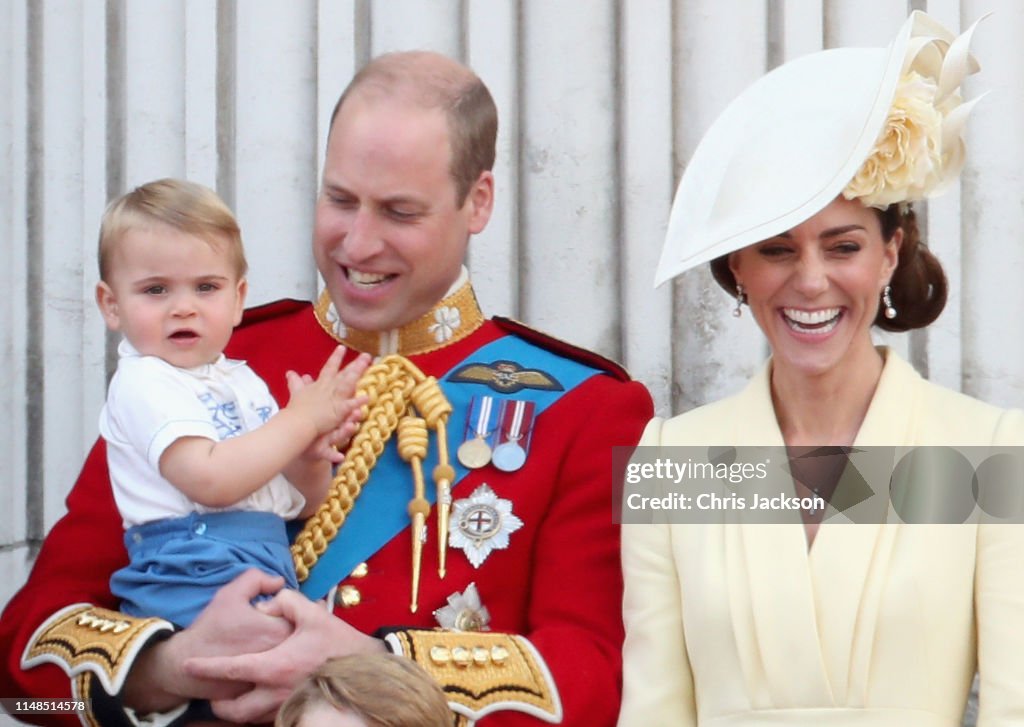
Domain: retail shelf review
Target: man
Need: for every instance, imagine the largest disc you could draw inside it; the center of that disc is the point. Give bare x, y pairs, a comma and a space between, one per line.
530, 593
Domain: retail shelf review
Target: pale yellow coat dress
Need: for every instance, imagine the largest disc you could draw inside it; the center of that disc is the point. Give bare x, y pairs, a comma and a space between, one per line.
738, 624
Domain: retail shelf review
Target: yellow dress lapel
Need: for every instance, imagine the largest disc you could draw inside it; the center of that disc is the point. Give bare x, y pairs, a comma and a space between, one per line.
849, 564
772, 581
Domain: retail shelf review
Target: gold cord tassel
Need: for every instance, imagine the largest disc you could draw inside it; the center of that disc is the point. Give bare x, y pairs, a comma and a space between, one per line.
395, 388
431, 402
412, 447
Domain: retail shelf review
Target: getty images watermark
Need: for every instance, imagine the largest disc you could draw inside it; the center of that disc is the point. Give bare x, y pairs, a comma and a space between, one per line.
829, 484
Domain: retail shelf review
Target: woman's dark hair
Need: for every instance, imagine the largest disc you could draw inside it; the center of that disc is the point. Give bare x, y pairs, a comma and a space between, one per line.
919, 286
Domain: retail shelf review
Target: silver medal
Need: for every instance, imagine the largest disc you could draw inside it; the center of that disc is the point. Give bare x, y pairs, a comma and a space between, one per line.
508, 457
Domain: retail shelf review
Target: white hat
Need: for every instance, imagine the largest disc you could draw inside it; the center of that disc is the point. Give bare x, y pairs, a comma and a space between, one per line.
882, 125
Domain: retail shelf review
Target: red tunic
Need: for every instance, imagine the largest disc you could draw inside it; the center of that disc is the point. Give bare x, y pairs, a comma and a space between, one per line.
558, 583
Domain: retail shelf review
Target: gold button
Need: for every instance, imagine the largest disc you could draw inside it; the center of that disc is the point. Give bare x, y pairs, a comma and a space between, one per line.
499, 654
360, 571
348, 596
461, 656
440, 655
481, 656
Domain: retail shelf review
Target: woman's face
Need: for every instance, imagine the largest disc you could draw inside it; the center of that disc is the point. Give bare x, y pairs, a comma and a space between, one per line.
815, 289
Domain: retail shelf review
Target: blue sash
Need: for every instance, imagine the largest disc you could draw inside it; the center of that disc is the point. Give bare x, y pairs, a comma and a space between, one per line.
379, 513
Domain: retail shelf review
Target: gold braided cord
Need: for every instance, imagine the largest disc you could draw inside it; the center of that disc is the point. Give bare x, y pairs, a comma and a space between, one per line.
435, 408
412, 447
394, 386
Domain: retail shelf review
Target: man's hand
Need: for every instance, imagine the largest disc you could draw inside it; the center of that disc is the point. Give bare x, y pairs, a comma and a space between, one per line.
315, 637
229, 626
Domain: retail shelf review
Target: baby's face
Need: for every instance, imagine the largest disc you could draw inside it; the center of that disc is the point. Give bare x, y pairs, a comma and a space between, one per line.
172, 294
324, 715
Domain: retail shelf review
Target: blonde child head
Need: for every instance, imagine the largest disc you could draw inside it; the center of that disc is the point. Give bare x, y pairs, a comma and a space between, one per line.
380, 690
172, 271
181, 205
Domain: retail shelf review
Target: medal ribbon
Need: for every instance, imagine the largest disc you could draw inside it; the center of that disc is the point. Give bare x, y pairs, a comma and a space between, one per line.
377, 517
483, 407
516, 418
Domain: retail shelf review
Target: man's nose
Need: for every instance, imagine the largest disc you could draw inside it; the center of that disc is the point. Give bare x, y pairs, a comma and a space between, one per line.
363, 239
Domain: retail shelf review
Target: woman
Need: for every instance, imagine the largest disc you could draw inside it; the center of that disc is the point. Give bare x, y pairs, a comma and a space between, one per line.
797, 196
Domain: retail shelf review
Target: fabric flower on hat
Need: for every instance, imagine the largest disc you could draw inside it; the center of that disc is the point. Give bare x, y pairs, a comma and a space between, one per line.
920, 150
907, 159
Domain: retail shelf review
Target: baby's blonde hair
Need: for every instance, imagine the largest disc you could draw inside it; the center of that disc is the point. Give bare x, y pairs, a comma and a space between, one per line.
383, 689
185, 206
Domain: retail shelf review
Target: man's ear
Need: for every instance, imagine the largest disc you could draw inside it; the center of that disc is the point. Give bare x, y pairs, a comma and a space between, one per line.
481, 202
107, 302
240, 293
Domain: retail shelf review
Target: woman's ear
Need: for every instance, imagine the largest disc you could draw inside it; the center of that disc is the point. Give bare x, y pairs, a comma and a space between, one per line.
734, 266
892, 255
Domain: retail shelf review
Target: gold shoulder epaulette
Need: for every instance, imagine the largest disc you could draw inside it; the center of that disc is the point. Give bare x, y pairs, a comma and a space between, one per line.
483, 672
85, 639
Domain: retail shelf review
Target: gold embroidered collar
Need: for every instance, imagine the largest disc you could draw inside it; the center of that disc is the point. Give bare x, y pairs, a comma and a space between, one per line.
452, 319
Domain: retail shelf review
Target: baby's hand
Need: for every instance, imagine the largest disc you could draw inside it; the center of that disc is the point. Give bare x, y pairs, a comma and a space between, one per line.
332, 446
328, 402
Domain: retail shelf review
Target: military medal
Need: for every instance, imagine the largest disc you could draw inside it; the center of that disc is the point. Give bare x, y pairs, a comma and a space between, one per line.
464, 612
483, 522
475, 452
516, 422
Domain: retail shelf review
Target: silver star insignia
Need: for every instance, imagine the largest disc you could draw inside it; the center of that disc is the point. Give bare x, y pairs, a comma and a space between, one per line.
482, 523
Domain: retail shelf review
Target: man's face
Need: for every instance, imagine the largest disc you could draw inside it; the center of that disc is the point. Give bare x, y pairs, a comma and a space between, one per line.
390, 237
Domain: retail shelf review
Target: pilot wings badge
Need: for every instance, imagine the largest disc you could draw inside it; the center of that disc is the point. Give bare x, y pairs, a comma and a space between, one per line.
505, 377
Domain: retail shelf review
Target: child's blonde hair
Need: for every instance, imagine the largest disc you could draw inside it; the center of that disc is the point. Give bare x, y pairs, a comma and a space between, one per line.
383, 689
185, 206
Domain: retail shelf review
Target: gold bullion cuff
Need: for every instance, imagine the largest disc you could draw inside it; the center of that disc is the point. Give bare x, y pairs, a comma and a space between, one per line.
482, 672
84, 639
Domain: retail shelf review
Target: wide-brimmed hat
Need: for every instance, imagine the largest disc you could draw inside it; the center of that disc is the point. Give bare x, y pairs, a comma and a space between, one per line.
882, 125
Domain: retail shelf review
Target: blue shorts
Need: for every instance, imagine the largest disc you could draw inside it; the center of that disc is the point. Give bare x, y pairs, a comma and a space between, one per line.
178, 564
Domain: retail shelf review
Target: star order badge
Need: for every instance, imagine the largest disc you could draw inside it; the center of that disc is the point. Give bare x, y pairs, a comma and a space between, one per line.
464, 612
483, 522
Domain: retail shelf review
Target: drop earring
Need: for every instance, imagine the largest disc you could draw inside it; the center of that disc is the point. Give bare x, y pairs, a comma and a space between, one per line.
741, 298
890, 311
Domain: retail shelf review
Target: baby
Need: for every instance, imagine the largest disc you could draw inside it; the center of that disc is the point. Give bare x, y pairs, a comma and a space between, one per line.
378, 690
205, 469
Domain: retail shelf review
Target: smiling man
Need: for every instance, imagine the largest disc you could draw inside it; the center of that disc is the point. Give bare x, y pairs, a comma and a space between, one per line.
516, 612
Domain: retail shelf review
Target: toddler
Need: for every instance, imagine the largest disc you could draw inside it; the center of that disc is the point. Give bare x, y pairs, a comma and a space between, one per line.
204, 468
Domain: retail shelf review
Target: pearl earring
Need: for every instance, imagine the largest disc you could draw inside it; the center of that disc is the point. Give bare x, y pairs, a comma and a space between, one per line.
890, 311
741, 298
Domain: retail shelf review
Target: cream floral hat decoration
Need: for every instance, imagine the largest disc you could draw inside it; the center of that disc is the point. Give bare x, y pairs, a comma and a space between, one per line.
882, 125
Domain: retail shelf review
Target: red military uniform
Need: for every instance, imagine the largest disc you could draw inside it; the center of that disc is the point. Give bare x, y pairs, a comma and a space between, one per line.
557, 583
